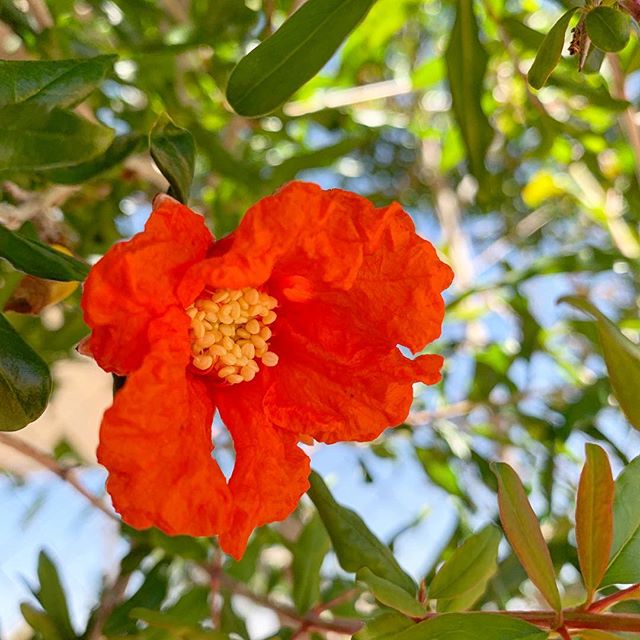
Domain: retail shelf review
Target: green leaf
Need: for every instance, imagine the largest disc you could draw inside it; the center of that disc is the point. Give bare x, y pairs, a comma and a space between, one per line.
624, 564
621, 356
522, 529
40, 622
25, 381
52, 598
465, 601
355, 546
550, 51
278, 67
151, 595
175, 624
390, 594
472, 626
51, 83
594, 517
120, 148
230, 621
384, 626
33, 139
38, 259
471, 565
21, 23
174, 151
608, 28
310, 550
322, 157
466, 60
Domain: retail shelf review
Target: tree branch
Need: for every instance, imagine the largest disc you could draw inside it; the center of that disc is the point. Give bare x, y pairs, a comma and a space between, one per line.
111, 597
62, 471
310, 621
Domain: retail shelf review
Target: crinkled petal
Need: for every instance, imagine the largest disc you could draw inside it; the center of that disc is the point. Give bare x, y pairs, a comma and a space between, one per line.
336, 382
398, 288
300, 230
306, 243
155, 441
137, 281
270, 473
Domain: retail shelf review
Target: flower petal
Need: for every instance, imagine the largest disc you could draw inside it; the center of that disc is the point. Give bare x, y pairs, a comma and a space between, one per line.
155, 441
335, 381
271, 472
398, 288
309, 243
300, 230
137, 280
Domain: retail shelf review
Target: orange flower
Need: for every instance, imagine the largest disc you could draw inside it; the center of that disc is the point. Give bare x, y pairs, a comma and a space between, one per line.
288, 327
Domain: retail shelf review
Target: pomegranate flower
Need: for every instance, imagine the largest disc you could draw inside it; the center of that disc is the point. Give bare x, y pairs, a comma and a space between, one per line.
289, 327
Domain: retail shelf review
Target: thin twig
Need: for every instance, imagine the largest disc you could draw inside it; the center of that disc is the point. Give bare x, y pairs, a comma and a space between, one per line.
341, 598
310, 620
62, 471
628, 116
215, 587
39, 10
111, 597
632, 592
345, 596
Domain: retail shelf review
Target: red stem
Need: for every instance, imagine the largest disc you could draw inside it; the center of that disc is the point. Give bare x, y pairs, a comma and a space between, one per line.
574, 619
609, 601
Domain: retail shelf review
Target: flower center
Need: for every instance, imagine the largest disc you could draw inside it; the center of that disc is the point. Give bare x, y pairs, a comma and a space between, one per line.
229, 333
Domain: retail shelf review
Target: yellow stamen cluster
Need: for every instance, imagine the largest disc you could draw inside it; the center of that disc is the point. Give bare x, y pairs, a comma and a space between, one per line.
229, 333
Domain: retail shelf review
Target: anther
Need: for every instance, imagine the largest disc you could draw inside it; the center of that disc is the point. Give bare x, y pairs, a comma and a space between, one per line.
229, 333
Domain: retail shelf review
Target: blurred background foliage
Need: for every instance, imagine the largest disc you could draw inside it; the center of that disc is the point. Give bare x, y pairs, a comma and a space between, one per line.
529, 195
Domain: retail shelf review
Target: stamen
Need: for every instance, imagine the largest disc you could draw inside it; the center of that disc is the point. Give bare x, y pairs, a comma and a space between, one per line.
229, 333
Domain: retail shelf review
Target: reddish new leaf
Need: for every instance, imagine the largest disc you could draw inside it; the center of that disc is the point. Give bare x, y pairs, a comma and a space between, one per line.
521, 527
594, 517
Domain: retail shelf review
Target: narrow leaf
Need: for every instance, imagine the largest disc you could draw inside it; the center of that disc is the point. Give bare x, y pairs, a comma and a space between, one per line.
466, 60
51, 596
470, 564
175, 625
624, 564
594, 517
151, 594
38, 259
32, 295
608, 28
40, 622
355, 546
622, 358
34, 139
25, 381
390, 594
278, 67
51, 83
595, 634
311, 548
174, 151
121, 147
468, 626
384, 626
550, 51
522, 529
465, 601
